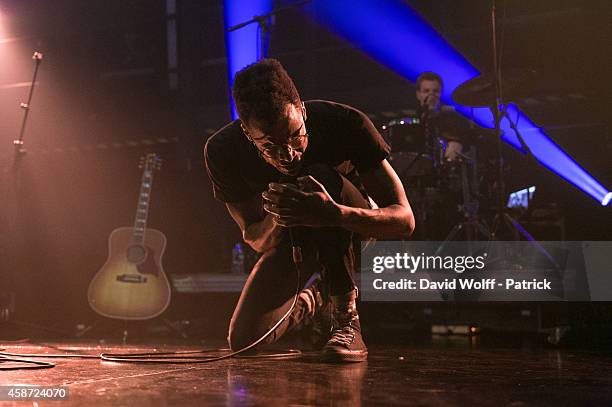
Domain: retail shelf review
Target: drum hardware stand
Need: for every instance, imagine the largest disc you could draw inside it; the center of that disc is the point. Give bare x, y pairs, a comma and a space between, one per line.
432, 142
502, 218
405, 172
472, 226
432, 146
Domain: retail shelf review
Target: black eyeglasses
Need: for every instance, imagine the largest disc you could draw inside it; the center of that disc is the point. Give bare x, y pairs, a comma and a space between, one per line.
275, 151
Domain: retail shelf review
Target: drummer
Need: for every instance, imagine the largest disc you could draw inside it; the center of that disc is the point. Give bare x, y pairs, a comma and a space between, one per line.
441, 121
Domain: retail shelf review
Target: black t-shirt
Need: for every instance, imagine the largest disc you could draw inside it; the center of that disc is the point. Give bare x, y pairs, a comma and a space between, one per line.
338, 135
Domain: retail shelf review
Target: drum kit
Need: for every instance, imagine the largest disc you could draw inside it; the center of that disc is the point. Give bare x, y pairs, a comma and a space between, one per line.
449, 181
441, 174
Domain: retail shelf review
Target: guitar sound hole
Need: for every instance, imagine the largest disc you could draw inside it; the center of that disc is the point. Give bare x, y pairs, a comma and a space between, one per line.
136, 254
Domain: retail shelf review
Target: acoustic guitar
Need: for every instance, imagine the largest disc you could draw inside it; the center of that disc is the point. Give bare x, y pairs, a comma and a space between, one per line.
132, 285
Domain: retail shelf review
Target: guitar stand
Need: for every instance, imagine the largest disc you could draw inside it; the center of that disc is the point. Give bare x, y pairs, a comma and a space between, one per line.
173, 326
83, 329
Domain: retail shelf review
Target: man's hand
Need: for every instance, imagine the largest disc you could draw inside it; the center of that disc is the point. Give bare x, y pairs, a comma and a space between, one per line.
310, 205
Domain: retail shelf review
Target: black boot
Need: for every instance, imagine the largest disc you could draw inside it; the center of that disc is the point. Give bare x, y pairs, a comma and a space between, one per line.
317, 319
346, 343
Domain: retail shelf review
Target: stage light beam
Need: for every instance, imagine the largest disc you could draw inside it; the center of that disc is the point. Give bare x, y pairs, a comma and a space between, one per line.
242, 45
396, 36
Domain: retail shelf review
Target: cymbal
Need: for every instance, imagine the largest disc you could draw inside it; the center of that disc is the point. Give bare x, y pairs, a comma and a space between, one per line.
480, 91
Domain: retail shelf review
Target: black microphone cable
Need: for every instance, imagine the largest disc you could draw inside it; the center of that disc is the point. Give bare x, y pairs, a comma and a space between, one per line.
175, 357
181, 357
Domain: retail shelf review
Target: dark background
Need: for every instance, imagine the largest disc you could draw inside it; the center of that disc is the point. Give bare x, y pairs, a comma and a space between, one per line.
103, 100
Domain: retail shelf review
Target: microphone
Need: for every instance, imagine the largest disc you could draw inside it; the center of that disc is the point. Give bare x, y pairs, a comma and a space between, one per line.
423, 110
296, 249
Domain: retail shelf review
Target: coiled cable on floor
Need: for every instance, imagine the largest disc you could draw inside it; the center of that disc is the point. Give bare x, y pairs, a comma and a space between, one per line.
178, 358
175, 357
13, 363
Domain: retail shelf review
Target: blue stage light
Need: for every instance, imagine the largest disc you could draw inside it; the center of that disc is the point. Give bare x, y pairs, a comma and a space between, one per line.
242, 46
396, 36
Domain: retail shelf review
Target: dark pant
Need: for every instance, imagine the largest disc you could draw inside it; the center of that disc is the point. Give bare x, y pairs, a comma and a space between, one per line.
271, 286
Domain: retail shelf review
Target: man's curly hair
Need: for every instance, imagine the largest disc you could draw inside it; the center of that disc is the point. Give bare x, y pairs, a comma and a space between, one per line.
261, 90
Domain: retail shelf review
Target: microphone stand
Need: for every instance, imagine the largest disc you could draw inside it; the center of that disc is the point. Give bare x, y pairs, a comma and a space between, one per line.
264, 25
14, 197
18, 143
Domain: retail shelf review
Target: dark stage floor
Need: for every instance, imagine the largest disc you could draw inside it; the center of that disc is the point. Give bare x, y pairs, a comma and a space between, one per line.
445, 372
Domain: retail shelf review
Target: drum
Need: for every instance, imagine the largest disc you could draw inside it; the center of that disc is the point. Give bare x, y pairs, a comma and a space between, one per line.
409, 148
406, 134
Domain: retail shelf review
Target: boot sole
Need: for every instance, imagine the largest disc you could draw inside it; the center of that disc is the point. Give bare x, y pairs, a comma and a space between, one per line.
343, 358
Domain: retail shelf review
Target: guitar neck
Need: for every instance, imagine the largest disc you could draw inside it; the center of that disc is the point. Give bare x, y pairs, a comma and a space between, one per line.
142, 208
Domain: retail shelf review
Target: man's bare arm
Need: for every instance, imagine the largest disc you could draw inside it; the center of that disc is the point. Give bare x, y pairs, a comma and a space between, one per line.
259, 232
393, 219
311, 205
